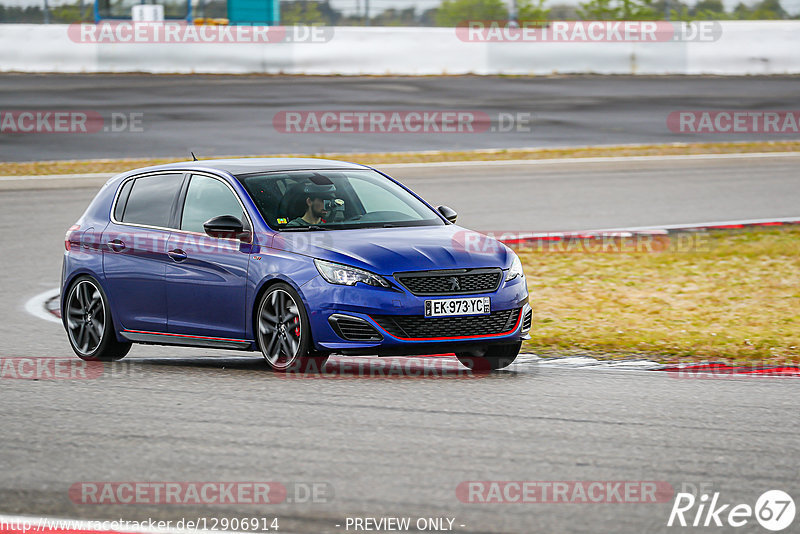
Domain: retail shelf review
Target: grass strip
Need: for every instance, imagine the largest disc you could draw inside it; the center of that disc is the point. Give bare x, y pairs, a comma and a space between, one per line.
734, 297
674, 149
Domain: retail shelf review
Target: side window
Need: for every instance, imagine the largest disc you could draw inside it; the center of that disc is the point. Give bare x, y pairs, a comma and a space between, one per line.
150, 200
207, 198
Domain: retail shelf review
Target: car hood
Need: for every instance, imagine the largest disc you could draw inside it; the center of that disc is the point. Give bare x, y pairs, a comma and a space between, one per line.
389, 250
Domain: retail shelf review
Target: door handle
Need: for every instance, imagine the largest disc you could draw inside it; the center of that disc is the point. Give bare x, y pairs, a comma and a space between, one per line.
177, 255
116, 245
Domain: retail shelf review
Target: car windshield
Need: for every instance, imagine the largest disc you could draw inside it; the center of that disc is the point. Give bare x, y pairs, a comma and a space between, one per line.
332, 200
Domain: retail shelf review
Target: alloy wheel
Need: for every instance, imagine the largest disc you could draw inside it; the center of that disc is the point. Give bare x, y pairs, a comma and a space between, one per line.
280, 329
86, 317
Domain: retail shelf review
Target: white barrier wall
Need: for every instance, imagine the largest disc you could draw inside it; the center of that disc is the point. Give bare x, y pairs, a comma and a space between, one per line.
762, 47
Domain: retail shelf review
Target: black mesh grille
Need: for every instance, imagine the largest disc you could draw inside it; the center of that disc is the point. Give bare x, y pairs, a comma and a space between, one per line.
418, 326
527, 320
353, 329
451, 283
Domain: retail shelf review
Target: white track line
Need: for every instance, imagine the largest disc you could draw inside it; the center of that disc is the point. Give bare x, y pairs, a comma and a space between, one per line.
583, 362
36, 305
609, 159
700, 225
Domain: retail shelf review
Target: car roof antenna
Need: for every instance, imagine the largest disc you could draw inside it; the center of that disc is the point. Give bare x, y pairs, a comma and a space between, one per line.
194, 158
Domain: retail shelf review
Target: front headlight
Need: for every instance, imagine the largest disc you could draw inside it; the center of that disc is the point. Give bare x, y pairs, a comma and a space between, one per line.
336, 273
515, 271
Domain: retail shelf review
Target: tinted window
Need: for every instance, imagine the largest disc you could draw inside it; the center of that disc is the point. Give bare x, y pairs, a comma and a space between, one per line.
150, 200
208, 198
122, 200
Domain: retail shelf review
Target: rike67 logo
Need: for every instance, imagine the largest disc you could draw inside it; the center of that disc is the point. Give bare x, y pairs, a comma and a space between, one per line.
774, 510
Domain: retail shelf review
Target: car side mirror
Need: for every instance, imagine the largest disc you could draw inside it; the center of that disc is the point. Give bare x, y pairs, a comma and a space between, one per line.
448, 213
226, 226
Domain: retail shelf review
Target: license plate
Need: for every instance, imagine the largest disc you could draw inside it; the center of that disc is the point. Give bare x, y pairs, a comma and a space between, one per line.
452, 307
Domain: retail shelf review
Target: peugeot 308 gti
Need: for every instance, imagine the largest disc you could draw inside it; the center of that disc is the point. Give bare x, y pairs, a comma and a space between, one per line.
295, 258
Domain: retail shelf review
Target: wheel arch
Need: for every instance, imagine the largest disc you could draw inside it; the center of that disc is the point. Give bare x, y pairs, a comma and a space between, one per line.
70, 280
265, 285
67, 287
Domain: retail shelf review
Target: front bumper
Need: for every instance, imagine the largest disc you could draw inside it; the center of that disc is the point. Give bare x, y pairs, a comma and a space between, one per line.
375, 305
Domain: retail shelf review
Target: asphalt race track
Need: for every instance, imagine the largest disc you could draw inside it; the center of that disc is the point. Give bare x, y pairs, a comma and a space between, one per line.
401, 447
580, 195
233, 115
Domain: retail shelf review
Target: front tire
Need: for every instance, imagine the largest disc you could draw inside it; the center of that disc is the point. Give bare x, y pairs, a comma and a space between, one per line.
283, 331
90, 326
492, 358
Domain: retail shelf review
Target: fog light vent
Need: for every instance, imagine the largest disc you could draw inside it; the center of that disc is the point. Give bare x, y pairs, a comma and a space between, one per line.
353, 328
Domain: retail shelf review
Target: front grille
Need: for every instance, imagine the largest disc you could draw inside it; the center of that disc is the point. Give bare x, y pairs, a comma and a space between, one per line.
458, 282
418, 326
353, 328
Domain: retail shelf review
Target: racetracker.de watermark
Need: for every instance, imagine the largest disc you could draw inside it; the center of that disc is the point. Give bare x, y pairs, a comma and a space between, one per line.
126, 32
49, 121
564, 492
125, 243
200, 493
381, 121
48, 368
423, 368
735, 121
580, 242
724, 371
486, 242
43, 525
587, 31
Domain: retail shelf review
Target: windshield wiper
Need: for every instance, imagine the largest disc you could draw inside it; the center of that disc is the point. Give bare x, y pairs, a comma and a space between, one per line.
304, 228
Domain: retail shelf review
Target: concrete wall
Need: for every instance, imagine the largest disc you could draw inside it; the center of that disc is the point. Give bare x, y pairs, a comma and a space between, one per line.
764, 47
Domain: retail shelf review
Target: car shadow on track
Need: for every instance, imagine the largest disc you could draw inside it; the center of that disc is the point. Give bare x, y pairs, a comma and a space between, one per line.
344, 367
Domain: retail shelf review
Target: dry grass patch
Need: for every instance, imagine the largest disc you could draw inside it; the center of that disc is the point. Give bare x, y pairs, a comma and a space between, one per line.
738, 299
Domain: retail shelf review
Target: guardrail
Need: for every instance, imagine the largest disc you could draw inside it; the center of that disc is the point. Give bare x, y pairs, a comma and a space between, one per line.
738, 48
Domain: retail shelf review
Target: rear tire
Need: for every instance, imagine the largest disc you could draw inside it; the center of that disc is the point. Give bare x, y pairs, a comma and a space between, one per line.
492, 358
90, 326
283, 332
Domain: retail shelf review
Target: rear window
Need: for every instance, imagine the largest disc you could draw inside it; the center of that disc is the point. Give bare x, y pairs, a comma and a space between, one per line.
150, 200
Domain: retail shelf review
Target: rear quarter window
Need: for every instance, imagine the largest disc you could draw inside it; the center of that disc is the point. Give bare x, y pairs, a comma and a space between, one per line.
122, 200
151, 199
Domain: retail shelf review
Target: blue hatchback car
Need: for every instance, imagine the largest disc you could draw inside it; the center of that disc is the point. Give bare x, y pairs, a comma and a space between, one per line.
296, 258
